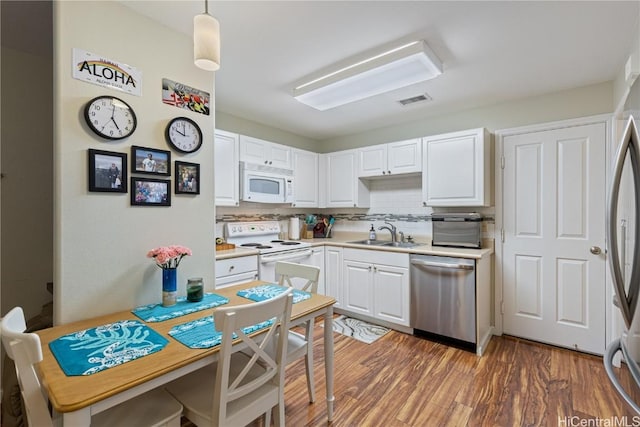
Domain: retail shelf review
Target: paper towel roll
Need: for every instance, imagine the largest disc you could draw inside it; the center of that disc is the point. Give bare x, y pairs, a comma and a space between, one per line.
294, 228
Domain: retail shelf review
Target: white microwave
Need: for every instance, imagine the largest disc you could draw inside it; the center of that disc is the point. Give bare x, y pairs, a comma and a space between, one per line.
265, 184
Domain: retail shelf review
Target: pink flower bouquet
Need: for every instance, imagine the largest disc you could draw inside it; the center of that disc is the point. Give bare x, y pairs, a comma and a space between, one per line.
169, 256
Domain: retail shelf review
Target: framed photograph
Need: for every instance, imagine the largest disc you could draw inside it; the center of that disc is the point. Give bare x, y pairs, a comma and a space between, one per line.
150, 160
150, 192
187, 178
107, 171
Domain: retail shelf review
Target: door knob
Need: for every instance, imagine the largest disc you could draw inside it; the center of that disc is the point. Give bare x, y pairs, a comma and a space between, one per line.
595, 250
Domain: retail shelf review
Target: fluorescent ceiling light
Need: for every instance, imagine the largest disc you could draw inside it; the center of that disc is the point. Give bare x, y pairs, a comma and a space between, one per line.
392, 69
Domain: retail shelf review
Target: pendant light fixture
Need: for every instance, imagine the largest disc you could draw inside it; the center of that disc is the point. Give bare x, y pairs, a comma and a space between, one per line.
206, 40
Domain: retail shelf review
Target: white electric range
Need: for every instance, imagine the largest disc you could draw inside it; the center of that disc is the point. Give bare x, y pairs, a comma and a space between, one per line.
264, 236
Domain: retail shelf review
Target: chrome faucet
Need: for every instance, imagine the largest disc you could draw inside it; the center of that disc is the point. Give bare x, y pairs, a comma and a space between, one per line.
392, 230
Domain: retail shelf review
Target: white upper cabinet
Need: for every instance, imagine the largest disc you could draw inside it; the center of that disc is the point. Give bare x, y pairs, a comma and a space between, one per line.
305, 179
390, 159
343, 188
456, 169
372, 160
258, 151
227, 172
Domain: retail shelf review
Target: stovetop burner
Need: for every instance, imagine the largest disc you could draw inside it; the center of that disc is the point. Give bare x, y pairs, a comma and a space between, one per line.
263, 236
256, 245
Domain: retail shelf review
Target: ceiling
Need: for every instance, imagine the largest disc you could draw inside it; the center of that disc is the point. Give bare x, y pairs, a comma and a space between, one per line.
492, 52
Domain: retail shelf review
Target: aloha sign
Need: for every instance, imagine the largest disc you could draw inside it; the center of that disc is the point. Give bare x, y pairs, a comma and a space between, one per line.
105, 72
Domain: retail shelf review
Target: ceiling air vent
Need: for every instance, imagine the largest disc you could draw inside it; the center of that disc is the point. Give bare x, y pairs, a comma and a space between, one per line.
414, 99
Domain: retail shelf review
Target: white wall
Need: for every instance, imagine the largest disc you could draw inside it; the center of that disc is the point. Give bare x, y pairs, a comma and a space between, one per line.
235, 124
100, 263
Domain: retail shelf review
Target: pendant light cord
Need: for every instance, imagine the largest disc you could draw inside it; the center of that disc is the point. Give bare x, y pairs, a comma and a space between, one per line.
206, 6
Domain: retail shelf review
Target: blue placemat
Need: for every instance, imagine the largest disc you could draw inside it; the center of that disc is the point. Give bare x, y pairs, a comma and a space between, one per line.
265, 292
158, 313
201, 333
93, 350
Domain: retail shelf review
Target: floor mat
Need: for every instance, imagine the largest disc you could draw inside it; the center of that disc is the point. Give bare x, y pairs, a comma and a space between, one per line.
358, 329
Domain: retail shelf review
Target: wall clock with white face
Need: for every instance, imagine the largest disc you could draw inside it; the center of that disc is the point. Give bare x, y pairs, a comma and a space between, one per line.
110, 117
184, 135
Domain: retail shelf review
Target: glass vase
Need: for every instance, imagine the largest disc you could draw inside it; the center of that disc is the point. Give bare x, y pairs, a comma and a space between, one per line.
195, 289
169, 286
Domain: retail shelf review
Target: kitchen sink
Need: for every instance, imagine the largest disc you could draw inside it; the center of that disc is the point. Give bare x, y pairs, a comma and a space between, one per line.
370, 242
400, 244
385, 243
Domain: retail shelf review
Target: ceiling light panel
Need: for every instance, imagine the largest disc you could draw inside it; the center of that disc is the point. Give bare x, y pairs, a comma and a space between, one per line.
393, 69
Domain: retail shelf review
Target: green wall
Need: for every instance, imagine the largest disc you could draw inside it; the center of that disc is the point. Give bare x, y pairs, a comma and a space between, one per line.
580, 102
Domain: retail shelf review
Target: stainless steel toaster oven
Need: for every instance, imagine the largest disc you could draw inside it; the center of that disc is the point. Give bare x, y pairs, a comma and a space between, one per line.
459, 230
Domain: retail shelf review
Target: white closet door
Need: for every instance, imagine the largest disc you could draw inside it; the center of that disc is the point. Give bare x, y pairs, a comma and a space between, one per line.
554, 214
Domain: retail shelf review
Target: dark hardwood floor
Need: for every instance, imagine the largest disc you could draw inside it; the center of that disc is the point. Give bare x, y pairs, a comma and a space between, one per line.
401, 380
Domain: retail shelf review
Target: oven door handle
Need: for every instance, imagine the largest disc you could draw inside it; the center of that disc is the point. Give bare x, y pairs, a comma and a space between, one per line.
267, 259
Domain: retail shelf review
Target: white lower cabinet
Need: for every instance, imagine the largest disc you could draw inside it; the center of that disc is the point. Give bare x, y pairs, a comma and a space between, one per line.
358, 289
233, 271
391, 291
333, 273
317, 259
376, 284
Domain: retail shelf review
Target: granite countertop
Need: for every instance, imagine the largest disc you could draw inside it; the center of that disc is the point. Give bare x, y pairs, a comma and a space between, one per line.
342, 239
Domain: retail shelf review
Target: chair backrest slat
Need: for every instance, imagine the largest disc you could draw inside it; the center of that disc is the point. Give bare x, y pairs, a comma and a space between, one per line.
230, 385
290, 270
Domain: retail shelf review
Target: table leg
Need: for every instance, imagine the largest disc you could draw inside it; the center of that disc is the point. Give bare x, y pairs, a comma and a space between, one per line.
81, 417
328, 359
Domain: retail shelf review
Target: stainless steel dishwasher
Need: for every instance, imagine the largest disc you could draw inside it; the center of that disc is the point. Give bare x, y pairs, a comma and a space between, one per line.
443, 299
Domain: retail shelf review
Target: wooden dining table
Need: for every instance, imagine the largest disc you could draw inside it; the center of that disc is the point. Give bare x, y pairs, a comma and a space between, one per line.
75, 398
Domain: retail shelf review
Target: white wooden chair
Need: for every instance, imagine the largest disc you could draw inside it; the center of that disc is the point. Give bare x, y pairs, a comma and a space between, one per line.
301, 345
154, 408
246, 382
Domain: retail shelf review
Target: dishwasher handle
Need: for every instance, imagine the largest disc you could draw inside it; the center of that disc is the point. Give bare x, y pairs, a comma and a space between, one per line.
442, 265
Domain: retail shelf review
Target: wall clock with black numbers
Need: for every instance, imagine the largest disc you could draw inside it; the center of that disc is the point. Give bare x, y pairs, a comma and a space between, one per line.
110, 117
184, 135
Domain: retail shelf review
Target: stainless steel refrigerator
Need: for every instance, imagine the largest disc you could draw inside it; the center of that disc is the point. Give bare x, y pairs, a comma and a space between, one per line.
624, 236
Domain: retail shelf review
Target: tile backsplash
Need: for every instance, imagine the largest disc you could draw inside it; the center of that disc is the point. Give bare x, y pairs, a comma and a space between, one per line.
397, 200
